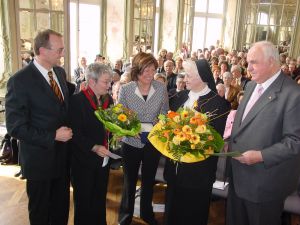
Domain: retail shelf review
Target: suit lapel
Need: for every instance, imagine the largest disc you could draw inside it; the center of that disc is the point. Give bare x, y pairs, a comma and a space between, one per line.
268, 96
42, 83
151, 92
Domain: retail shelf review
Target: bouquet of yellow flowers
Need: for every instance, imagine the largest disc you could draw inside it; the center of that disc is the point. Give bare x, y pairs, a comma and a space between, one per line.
120, 121
185, 136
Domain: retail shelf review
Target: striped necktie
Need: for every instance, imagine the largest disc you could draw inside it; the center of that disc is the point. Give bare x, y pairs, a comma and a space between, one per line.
55, 87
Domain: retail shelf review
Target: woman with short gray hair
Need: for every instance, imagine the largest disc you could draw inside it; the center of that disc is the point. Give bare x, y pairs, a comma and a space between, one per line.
89, 147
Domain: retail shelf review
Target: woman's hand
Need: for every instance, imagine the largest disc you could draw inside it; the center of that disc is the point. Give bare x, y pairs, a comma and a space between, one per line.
100, 150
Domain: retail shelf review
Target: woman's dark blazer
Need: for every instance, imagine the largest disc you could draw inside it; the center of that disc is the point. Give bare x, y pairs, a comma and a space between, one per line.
87, 132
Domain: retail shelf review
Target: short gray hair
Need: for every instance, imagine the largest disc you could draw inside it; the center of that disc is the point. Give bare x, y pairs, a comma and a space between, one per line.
227, 74
269, 50
236, 67
95, 70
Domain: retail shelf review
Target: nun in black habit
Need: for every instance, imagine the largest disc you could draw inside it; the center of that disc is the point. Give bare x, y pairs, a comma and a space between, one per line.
189, 186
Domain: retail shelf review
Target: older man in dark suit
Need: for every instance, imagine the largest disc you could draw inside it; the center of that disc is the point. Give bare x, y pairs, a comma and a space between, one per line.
266, 131
36, 114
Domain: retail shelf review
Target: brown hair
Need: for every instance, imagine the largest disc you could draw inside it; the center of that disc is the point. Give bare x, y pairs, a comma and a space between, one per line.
140, 62
42, 40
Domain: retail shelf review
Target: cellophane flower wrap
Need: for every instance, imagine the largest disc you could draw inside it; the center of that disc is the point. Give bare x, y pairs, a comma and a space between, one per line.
186, 136
120, 121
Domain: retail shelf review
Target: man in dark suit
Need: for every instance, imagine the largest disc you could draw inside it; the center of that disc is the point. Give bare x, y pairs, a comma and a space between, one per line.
268, 137
171, 77
36, 114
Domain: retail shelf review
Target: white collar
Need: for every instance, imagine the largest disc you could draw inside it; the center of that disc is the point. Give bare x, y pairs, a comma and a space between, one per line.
268, 82
193, 96
204, 91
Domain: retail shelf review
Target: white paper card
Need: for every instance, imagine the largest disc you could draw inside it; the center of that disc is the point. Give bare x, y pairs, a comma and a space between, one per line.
105, 161
114, 156
220, 185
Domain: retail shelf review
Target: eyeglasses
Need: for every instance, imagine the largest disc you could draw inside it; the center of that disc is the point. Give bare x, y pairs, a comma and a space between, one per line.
59, 50
105, 82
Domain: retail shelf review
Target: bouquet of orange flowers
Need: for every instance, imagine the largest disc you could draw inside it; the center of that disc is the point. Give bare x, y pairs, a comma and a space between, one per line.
186, 136
120, 121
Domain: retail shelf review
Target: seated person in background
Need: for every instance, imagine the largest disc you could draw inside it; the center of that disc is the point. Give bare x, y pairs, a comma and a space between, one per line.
292, 69
169, 56
118, 66
125, 78
115, 91
285, 69
161, 78
163, 52
178, 66
238, 79
79, 73
224, 68
231, 91
230, 118
221, 89
160, 62
171, 77
180, 83
216, 72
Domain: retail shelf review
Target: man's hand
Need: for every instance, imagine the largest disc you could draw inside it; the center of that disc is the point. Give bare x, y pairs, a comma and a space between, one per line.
250, 157
100, 150
63, 134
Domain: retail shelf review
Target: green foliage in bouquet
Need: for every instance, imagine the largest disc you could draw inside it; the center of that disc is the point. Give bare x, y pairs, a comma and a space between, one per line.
120, 121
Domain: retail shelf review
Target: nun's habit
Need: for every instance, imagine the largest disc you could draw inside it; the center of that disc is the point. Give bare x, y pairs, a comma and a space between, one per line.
189, 186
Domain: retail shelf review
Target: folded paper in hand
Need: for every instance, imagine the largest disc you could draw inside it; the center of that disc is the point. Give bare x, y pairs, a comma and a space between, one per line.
221, 185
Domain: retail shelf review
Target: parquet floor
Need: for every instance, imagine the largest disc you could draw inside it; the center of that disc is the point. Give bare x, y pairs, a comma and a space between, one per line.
13, 200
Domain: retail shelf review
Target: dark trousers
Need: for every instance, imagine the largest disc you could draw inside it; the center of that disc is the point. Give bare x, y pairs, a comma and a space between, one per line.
243, 212
132, 158
89, 192
187, 205
48, 201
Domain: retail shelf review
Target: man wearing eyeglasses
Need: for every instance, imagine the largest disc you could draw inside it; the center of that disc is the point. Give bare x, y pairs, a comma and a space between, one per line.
36, 114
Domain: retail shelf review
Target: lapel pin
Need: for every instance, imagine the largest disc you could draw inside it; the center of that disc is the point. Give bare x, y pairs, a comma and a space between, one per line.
270, 97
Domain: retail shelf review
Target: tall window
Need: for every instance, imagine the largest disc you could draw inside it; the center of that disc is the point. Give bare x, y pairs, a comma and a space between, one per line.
208, 20
143, 25
35, 15
272, 20
84, 41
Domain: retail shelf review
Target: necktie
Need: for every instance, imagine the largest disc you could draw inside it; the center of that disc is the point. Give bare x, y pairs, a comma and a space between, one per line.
255, 96
55, 87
